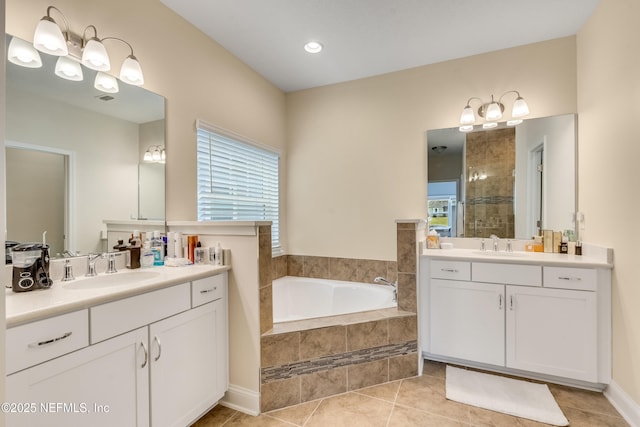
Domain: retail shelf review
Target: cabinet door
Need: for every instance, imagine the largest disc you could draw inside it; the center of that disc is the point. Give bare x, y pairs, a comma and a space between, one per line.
185, 377
102, 385
467, 320
552, 331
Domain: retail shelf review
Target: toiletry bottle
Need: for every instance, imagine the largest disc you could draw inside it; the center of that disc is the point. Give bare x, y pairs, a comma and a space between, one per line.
433, 240
146, 255
200, 254
578, 247
217, 254
157, 246
564, 245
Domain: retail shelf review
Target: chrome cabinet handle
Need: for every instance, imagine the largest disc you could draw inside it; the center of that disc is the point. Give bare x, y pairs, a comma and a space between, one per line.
159, 349
51, 341
511, 302
449, 270
569, 278
204, 291
500, 302
146, 354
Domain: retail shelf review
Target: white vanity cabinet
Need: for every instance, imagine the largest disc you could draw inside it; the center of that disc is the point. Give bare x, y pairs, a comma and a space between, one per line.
525, 318
100, 385
158, 359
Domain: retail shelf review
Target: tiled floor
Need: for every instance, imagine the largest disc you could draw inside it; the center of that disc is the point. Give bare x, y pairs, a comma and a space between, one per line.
418, 401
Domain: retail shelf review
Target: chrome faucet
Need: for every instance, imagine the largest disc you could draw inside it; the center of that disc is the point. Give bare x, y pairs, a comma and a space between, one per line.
394, 285
111, 265
494, 240
91, 263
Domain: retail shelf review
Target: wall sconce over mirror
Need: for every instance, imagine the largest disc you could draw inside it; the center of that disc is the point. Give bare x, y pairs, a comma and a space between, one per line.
492, 112
72, 50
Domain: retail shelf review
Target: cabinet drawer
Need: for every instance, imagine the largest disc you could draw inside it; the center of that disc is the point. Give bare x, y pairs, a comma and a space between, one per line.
508, 274
121, 316
46, 339
584, 279
454, 270
207, 289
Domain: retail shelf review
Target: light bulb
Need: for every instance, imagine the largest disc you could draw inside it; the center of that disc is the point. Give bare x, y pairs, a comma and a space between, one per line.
106, 83
94, 56
68, 69
23, 53
467, 117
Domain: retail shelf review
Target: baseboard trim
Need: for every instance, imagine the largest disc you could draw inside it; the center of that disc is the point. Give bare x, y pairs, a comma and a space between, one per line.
624, 404
242, 399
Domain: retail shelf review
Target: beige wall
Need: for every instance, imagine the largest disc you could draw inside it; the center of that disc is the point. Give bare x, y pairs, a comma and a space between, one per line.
2, 217
609, 108
356, 150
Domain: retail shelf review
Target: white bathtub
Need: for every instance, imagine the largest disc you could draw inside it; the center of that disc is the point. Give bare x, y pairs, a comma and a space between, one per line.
297, 298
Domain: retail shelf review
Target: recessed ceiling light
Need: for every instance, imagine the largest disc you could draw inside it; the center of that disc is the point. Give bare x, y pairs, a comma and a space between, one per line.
313, 47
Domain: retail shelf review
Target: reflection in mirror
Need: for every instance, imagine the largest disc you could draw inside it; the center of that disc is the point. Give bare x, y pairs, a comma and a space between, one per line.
99, 141
510, 181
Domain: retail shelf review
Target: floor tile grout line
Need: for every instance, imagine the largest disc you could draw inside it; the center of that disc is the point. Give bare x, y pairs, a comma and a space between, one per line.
313, 412
281, 420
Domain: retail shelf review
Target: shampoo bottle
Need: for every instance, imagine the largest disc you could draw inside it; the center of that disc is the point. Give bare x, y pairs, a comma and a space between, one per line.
157, 247
146, 255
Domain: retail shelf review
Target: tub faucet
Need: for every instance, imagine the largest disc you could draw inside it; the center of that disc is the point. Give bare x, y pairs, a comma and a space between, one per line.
394, 285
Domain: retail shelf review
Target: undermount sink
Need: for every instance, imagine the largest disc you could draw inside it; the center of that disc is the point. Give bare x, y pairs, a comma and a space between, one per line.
108, 280
502, 253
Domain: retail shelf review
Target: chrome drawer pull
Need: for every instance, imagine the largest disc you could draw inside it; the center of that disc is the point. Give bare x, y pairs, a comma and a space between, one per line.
570, 278
449, 270
204, 291
51, 341
146, 354
500, 302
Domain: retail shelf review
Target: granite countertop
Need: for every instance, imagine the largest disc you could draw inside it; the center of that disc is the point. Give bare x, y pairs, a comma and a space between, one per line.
64, 297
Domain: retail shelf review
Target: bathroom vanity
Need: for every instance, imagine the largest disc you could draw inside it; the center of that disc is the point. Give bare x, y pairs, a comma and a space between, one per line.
149, 353
538, 315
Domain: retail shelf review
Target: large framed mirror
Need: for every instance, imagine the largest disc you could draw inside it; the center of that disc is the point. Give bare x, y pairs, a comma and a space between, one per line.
508, 181
75, 157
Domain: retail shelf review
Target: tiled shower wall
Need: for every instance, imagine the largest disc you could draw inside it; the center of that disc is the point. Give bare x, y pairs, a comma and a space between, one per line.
308, 364
489, 201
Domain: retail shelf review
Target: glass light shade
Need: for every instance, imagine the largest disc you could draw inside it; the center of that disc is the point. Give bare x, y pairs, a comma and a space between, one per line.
106, 83
514, 122
489, 125
131, 72
147, 156
23, 53
48, 38
494, 112
68, 69
467, 117
520, 108
155, 155
163, 155
94, 56
465, 128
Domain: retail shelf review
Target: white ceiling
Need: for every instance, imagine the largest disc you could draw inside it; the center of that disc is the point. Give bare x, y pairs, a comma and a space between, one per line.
364, 38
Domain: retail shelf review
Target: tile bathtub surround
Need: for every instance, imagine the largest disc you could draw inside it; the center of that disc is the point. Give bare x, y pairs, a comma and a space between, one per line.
309, 364
265, 274
416, 401
345, 269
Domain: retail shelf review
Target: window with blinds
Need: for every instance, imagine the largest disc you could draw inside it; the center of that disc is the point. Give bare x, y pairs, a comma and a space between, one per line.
237, 180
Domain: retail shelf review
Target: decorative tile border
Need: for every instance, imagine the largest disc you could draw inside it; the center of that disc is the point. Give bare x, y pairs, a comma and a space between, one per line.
326, 363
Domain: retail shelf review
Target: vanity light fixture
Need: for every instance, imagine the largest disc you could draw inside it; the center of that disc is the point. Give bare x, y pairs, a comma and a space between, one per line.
74, 49
492, 112
438, 149
155, 154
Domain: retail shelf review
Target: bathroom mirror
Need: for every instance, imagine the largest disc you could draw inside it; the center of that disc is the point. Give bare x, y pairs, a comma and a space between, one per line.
507, 181
75, 157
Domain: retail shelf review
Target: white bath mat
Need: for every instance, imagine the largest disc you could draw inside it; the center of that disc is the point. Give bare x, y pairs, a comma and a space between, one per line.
514, 397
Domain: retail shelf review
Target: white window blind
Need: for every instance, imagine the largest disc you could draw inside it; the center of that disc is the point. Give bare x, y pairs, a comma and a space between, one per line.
237, 180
